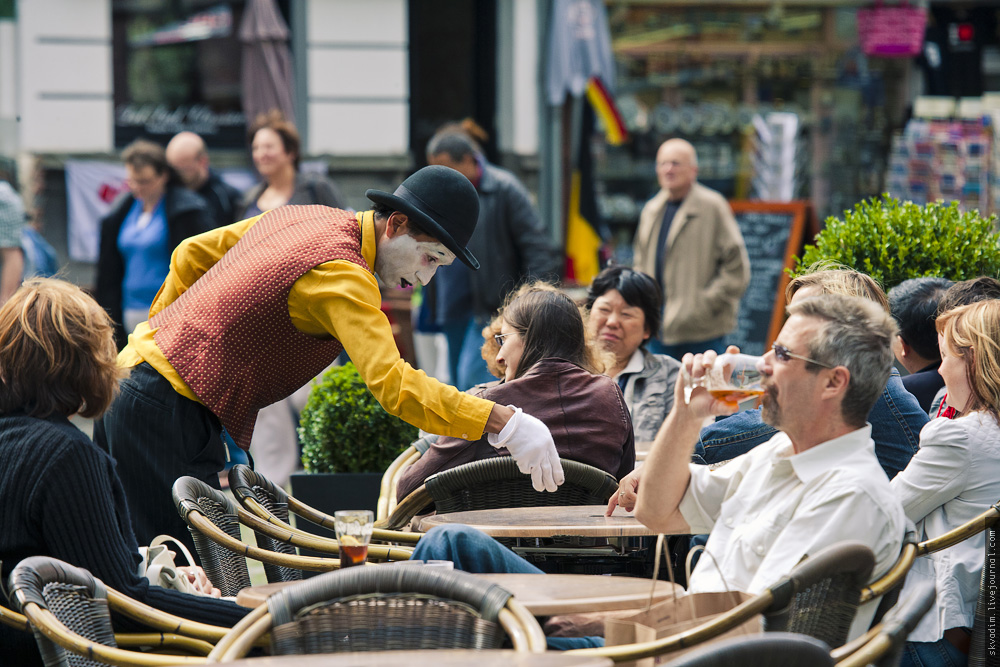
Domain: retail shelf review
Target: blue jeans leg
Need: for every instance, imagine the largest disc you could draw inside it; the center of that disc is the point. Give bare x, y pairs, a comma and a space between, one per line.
471, 550
454, 332
472, 369
941, 653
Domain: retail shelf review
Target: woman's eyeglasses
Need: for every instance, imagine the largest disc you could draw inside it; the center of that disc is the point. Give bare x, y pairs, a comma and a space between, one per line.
782, 353
499, 337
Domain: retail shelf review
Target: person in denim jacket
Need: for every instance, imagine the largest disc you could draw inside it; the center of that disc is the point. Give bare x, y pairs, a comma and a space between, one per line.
623, 309
896, 418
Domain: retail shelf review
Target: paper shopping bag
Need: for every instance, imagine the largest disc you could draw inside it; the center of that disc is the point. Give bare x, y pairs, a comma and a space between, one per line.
673, 616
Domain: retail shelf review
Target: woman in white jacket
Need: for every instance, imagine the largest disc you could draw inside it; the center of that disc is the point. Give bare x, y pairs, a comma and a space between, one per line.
954, 477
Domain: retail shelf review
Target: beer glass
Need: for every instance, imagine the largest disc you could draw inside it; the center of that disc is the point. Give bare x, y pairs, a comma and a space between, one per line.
354, 532
733, 378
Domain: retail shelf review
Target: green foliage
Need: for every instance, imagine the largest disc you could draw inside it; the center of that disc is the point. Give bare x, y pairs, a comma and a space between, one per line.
892, 241
344, 429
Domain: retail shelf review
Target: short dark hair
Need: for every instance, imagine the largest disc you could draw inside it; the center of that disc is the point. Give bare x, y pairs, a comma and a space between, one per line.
965, 292
457, 145
550, 325
637, 288
57, 352
275, 121
144, 153
914, 305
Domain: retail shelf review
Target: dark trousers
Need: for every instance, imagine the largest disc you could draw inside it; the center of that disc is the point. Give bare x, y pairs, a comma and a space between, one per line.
156, 435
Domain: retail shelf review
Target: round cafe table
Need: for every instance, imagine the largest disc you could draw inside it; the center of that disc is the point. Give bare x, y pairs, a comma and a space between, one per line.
436, 658
550, 521
542, 594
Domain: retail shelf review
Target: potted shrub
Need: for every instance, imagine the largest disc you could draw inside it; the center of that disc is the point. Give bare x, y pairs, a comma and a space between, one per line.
892, 241
348, 440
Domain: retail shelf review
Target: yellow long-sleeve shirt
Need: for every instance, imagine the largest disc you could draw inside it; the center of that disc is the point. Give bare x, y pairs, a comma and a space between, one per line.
338, 299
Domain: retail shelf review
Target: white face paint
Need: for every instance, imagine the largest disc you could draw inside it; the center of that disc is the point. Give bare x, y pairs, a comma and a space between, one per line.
403, 260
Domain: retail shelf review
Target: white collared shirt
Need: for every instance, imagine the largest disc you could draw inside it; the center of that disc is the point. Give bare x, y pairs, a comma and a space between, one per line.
770, 508
953, 478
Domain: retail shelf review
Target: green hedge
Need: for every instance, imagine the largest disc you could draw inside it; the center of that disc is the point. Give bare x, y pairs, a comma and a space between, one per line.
344, 429
892, 241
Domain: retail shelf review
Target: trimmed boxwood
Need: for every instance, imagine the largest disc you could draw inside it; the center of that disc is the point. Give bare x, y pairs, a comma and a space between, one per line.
344, 429
892, 241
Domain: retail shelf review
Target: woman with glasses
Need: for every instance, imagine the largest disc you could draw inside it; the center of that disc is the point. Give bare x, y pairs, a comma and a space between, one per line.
624, 308
60, 494
549, 372
952, 479
139, 234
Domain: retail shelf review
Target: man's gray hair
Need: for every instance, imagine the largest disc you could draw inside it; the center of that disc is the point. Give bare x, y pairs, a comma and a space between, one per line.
858, 335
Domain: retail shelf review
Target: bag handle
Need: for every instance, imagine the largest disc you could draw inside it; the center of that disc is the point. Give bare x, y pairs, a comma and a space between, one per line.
656, 571
164, 539
706, 552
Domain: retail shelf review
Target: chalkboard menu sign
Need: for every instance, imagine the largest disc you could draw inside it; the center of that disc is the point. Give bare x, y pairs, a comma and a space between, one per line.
773, 234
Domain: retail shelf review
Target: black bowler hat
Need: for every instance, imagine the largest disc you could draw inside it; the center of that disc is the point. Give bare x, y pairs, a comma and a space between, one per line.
440, 202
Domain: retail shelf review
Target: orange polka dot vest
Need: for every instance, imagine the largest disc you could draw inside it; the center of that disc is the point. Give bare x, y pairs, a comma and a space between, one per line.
230, 337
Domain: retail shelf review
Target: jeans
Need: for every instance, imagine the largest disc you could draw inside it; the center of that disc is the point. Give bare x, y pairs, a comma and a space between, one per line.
156, 435
474, 551
677, 350
941, 653
465, 359
896, 421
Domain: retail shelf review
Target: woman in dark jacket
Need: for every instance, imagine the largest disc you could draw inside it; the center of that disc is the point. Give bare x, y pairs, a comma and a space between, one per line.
549, 373
274, 145
60, 493
140, 233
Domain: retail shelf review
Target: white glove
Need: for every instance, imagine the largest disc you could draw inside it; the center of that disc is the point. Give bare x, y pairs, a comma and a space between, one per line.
528, 440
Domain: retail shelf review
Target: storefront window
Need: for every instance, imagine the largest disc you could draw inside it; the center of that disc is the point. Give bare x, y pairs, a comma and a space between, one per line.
758, 91
177, 67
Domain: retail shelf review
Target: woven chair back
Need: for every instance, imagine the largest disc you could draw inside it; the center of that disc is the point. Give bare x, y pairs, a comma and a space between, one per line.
246, 483
389, 607
774, 648
77, 600
823, 594
227, 570
496, 483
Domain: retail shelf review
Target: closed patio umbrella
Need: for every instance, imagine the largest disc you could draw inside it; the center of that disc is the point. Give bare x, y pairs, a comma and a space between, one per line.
267, 62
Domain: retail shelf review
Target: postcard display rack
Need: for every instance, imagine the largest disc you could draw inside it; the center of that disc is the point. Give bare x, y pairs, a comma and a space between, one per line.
950, 160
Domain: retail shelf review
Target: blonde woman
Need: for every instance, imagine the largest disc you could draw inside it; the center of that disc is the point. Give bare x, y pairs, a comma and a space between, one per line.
954, 477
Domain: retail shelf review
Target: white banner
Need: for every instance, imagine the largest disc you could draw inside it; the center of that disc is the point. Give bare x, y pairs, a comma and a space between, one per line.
91, 187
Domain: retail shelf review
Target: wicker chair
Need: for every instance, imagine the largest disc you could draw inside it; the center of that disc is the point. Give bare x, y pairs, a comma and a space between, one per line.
389, 607
69, 612
268, 502
818, 593
827, 594
390, 481
889, 584
496, 482
882, 646
774, 648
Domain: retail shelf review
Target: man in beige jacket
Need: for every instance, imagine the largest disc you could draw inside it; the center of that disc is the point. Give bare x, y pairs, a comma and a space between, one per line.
689, 241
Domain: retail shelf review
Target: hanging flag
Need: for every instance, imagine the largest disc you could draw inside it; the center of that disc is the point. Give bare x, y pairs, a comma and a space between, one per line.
583, 241
606, 109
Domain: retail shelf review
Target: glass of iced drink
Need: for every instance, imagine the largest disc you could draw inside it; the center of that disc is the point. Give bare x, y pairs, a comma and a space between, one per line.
354, 532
